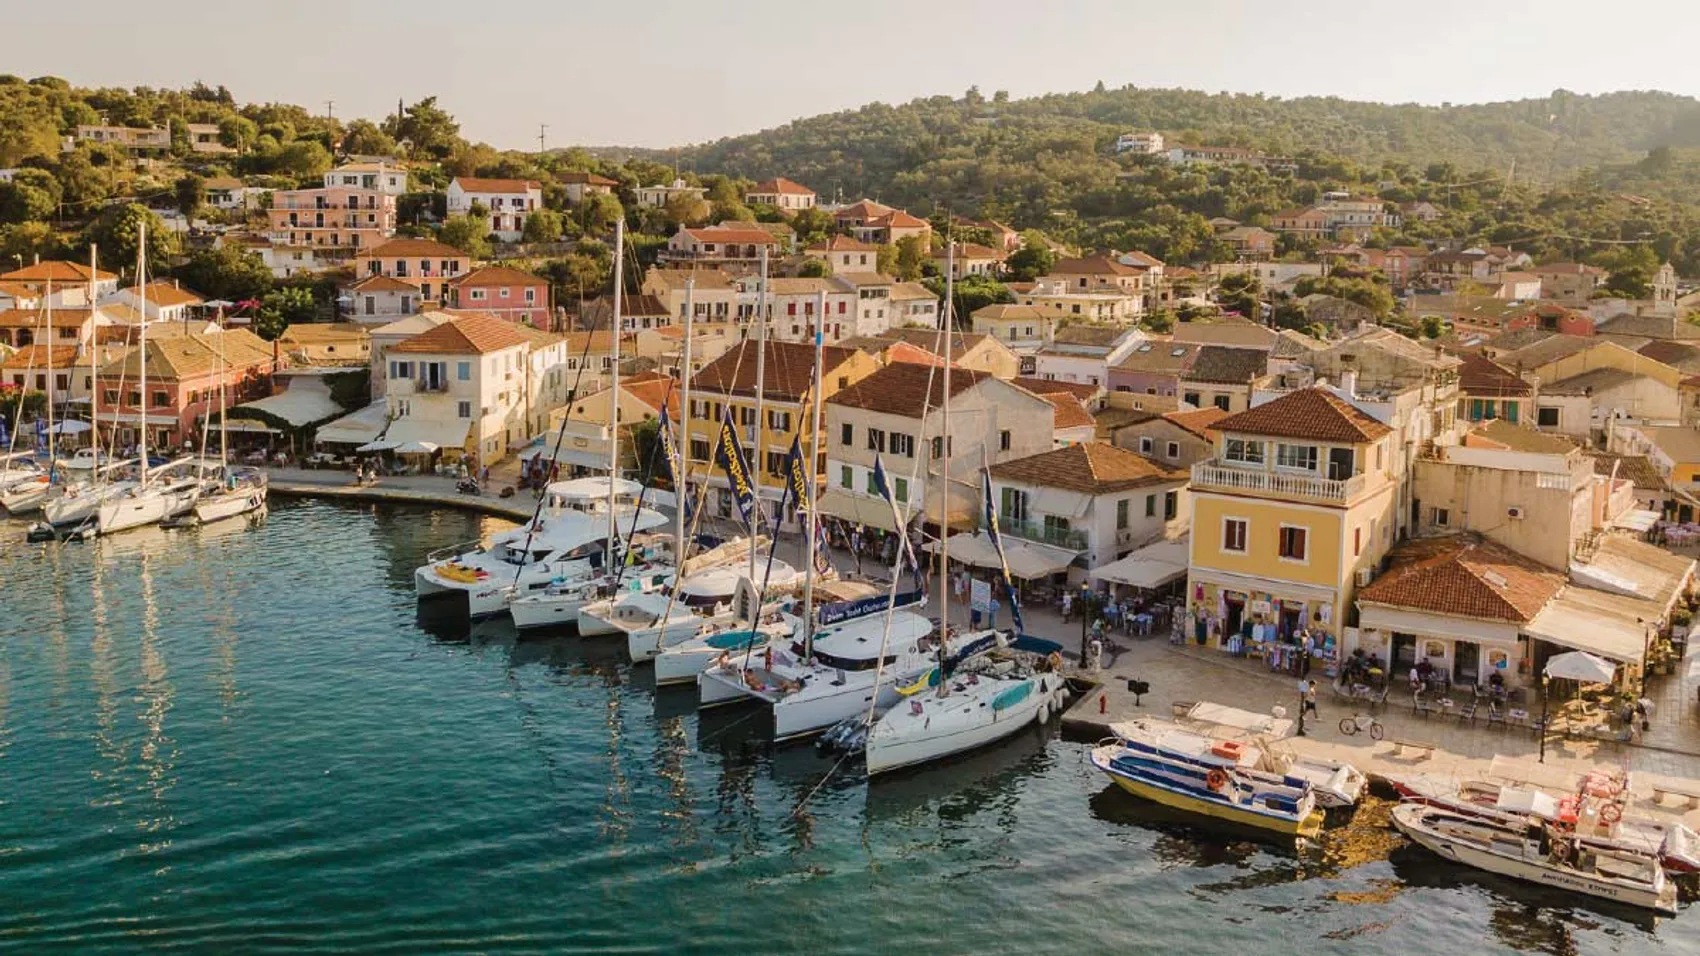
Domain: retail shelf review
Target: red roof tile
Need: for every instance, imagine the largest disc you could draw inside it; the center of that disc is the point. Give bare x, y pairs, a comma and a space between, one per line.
1465, 577
468, 334
1312, 413
1093, 468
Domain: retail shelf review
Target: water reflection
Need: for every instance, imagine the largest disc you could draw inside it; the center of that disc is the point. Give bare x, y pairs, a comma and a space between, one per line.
158, 751
955, 791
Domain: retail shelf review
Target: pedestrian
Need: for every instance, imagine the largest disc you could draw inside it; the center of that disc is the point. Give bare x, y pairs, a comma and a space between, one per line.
1095, 654
1309, 688
1067, 605
992, 613
486, 480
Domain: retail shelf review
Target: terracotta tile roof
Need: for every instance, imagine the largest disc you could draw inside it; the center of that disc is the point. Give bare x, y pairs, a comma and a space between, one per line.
1091, 336
1485, 377
1589, 382
586, 179
781, 186
382, 283
1094, 265
1223, 365
314, 332
1069, 412
223, 182
896, 352
790, 369
1045, 386
57, 270
910, 292
1003, 311
1569, 268
1549, 349
18, 290
1465, 577
1500, 433
429, 248
37, 356
1200, 422
597, 342
864, 209
188, 355
1679, 442
970, 250
961, 343
898, 219
651, 388
473, 184
497, 275
1312, 413
1517, 339
37, 317
725, 235
1231, 330
843, 244
466, 335
1093, 468
1650, 326
905, 389
1292, 343
1636, 468
1678, 355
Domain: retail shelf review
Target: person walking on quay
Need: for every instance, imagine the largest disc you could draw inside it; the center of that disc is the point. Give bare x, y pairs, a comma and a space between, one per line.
1309, 687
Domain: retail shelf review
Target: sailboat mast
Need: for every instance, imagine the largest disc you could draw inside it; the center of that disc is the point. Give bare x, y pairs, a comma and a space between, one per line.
94, 372
815, 426
761, 369
50, 381
142, 342
614, 386
223, 427
944, 468
682, 492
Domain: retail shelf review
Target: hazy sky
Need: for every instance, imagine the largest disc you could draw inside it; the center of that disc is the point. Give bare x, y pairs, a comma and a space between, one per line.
664, 73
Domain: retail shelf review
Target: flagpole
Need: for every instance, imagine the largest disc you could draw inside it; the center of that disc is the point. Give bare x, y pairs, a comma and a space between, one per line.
815, 426
52, 471
761, 369
683, 479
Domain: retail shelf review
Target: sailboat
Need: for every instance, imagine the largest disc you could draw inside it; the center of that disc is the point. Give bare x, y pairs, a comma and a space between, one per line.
79, 500
239, 491
29, 492
154, 497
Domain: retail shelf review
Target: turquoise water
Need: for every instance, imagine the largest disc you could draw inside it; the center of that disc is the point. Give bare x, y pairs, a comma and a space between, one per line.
247, 740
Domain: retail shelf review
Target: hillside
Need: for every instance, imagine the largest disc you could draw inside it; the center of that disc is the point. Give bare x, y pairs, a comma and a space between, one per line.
966, 150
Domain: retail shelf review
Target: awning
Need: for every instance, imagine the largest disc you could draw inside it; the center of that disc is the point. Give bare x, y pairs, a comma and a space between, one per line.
357, 428
307, 400
72, 427
1598, 622
135, 418
1151, 566
1027, 559
416, 448
1582, 666
1636, 520
250, 427
443, 432
858, 509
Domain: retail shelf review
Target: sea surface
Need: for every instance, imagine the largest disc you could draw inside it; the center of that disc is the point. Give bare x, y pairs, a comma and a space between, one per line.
247, 739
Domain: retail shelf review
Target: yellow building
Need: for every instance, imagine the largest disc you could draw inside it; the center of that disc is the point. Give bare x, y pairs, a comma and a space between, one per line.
1289, 517
787, 409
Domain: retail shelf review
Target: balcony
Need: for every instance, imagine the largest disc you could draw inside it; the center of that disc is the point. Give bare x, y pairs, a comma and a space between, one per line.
430, 385
1209, 476
1074, 539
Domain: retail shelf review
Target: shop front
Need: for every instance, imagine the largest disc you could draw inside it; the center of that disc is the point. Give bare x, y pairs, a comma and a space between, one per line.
1275, 621
1457, 650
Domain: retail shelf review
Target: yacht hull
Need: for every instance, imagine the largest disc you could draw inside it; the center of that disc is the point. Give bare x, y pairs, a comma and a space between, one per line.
908, 735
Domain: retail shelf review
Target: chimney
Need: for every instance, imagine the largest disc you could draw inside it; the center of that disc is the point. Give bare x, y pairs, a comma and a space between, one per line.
1349, 383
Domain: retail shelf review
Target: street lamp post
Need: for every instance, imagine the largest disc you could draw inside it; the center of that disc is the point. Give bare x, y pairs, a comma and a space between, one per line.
1544, 681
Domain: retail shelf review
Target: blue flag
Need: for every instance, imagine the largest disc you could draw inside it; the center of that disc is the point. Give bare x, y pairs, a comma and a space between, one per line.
997, 545
730, 454
670, 448
797, 477
883, 486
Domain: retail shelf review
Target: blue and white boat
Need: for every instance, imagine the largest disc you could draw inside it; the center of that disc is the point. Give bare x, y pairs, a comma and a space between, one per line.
1168, 764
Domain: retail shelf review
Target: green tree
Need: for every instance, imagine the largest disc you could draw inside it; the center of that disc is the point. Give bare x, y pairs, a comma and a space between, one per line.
582, 274
1239, 292
88, 176
430, 130
1159, 321
972, 294
1631, 272
32, 195
1031, 261
885, 260
812, 225
467, 234
227, 272
303, 159
191, 193
814, 269
238, 133
729, 211
281, 308
365, 138
1433, 327
22, 242
544, 225
117, 231
646, 451
598, 213
912, 254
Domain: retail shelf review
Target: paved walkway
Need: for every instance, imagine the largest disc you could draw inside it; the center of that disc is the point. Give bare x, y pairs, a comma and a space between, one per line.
413, 489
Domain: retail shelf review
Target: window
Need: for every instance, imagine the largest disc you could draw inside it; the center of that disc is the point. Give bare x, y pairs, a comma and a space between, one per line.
699, 449
776, 462
1191, 398
1357, 541
779, 421
1296, 456
1441, 517
1221, 401
1150, 506
846, 477
463, 371
1014, 505
846, 434
1292, 543
1234, 535
1241, 450
873, 489
902, 444
1173, 451
1121, 515
1546, 417
1003, 440
463, 409
900, 489
1171, 505
1146, 445
876, 439
1511, 412
161, 398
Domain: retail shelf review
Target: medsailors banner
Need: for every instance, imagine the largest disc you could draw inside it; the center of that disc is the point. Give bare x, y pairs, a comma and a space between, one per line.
730, 454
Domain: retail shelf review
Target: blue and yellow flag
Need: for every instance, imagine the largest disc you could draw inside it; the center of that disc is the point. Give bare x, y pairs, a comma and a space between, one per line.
670, 449
797, 475
997, 545
730, 454
883, 486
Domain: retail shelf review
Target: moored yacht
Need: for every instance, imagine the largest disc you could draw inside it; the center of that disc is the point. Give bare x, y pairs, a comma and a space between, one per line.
567, 539
558, 603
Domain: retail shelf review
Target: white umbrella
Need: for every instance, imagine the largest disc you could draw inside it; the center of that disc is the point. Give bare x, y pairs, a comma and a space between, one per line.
1581, 666
416, 448
70, 427
379, 445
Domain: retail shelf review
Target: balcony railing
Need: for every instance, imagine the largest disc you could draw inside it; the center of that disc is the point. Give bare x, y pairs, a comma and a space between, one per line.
1073, 539
1209, 476
430, 385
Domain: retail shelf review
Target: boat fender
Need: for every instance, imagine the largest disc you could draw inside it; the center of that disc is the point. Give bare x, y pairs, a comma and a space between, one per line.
1611, 813
1216, 779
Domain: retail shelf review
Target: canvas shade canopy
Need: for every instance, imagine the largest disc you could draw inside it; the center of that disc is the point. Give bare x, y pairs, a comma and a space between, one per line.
72, 427
415, 448
1151, 566
1027, 559
1580, 666
444, 433
356, 428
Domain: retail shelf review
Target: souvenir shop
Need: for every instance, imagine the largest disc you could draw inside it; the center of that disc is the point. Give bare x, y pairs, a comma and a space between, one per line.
1280, 630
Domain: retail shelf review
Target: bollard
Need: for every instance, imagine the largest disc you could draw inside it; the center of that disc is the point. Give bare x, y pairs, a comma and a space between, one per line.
1103, 703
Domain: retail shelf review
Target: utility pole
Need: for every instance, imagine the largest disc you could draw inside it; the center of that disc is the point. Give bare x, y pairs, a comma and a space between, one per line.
330, 109
542, 128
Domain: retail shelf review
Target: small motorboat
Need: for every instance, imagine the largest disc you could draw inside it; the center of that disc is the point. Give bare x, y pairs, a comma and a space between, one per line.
1536, 852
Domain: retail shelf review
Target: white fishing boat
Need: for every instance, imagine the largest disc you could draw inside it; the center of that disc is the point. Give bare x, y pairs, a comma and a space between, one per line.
1336, 783
24, 494
1187, 770
567, 539
241, 491
983, 700
842, 678
1594, 809
1535, 853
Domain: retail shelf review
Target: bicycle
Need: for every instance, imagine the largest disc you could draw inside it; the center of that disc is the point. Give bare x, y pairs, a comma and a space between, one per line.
1350, 726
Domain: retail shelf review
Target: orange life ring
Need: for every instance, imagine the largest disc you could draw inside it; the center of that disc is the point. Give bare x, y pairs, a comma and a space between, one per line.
1611, 813
1216, 779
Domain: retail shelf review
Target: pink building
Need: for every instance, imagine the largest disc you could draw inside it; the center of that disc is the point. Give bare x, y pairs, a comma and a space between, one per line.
355, 209
183, 384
